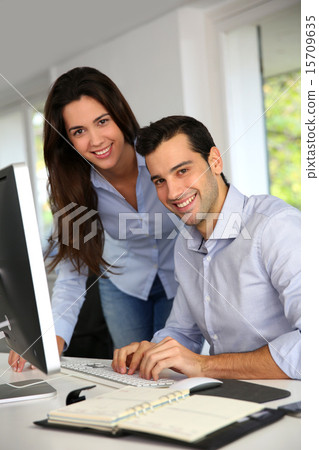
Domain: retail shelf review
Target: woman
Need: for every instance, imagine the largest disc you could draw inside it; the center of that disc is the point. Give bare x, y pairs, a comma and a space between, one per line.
109, 221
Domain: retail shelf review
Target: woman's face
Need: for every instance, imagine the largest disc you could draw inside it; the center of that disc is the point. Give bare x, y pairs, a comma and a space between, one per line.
94, 134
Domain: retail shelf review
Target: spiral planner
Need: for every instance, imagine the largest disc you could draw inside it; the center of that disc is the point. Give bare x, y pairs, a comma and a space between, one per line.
155, 413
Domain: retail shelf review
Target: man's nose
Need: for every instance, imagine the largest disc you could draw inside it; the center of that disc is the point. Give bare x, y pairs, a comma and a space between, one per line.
175, 190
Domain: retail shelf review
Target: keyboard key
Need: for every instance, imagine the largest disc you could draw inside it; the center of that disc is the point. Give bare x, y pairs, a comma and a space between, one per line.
104, 371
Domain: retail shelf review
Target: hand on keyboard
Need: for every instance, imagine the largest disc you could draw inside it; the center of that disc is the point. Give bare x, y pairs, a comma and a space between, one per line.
103, 370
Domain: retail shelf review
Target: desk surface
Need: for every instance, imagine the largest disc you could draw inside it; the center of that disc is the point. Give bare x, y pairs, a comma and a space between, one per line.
18, 430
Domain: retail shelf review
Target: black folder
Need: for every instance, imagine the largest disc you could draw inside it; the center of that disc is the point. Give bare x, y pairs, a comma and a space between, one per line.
240, 390
212, 441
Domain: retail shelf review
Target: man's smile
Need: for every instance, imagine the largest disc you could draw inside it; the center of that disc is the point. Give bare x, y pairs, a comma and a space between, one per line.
185, 203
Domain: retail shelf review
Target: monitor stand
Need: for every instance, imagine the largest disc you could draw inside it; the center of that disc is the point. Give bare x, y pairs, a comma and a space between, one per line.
25, 390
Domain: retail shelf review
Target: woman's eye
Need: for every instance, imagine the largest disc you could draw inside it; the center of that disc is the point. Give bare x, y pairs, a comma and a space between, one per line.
103, 121
78, 132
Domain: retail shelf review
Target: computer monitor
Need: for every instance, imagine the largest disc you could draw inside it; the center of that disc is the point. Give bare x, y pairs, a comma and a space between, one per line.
26, 319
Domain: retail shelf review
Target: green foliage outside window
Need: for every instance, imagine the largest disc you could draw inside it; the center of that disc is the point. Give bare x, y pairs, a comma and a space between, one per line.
284, 135
46, 219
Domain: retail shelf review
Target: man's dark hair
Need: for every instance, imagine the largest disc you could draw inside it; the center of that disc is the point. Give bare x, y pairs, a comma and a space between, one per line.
200, 139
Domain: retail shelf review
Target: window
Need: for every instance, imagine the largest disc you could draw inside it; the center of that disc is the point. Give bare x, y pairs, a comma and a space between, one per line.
284, 135
280, 61
45, 216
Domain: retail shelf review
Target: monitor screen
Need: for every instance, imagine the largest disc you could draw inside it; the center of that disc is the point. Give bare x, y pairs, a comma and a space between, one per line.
25, 308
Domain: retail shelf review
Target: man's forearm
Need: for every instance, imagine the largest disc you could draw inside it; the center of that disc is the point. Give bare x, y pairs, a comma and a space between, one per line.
257, 364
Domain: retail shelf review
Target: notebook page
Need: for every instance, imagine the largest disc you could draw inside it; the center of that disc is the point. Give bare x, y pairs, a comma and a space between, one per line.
112, 407
193, 418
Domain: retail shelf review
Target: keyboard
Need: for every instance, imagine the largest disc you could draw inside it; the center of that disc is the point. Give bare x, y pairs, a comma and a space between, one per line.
102, 372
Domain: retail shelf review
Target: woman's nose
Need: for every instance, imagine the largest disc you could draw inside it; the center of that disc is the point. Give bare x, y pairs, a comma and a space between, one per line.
95, 138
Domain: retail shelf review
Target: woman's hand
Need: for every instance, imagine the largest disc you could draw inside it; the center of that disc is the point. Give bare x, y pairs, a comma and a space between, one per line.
60, 342
17, 362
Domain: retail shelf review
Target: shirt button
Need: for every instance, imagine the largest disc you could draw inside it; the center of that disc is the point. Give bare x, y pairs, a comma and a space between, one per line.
207, 298
215, 337
155, 266
208, 258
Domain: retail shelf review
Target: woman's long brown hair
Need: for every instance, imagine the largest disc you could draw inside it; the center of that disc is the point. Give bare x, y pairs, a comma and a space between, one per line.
69, 173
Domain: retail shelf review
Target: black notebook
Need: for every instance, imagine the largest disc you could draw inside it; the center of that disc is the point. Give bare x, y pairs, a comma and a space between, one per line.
174, 416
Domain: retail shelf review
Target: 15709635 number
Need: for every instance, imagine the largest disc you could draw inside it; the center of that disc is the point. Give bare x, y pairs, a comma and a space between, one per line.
310, 44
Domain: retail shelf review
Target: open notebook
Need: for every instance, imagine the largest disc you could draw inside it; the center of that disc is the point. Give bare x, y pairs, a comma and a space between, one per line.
170, 413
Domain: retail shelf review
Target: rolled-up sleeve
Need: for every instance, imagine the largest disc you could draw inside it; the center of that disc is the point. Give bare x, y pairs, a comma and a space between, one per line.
181, 325
281, 256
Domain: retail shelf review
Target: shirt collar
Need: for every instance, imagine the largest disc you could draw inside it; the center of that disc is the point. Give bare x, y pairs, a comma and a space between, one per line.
195, 243
229, 223
140, 160
230, 219
99, 181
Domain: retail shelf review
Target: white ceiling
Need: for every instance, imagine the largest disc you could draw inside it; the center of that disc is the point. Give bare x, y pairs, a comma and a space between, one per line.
36, 34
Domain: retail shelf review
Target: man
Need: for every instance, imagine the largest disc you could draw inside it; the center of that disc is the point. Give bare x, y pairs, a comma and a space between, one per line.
237, 264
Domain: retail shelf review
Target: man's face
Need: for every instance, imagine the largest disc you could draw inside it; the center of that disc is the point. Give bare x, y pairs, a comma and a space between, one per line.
185, 182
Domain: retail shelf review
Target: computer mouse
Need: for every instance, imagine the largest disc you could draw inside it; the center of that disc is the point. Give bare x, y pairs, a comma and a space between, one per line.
197, 384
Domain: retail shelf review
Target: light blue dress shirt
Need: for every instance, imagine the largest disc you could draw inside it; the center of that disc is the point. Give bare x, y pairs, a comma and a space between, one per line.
240, 289
141, 243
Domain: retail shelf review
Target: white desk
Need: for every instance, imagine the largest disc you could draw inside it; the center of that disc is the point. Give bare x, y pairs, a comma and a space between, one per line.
17, 430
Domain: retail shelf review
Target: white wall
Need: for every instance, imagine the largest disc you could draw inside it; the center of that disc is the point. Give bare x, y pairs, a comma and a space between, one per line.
245, 111
223, 83
12, 138
145, 64
186, 62
163, 68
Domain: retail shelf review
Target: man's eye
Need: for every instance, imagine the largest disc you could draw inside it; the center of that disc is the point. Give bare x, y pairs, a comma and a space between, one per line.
158, 182
182, 171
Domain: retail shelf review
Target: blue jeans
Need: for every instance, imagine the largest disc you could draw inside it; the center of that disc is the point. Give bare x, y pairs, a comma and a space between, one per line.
130, 319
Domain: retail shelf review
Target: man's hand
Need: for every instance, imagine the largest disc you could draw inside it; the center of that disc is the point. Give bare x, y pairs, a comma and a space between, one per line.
152, 358
170, 354
130, 356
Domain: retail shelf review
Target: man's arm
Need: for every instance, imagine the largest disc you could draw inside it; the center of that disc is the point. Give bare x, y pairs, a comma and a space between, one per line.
257, 364
280, 254
151, 359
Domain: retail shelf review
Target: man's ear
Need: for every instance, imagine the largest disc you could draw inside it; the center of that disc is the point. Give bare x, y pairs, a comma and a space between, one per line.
215, 161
